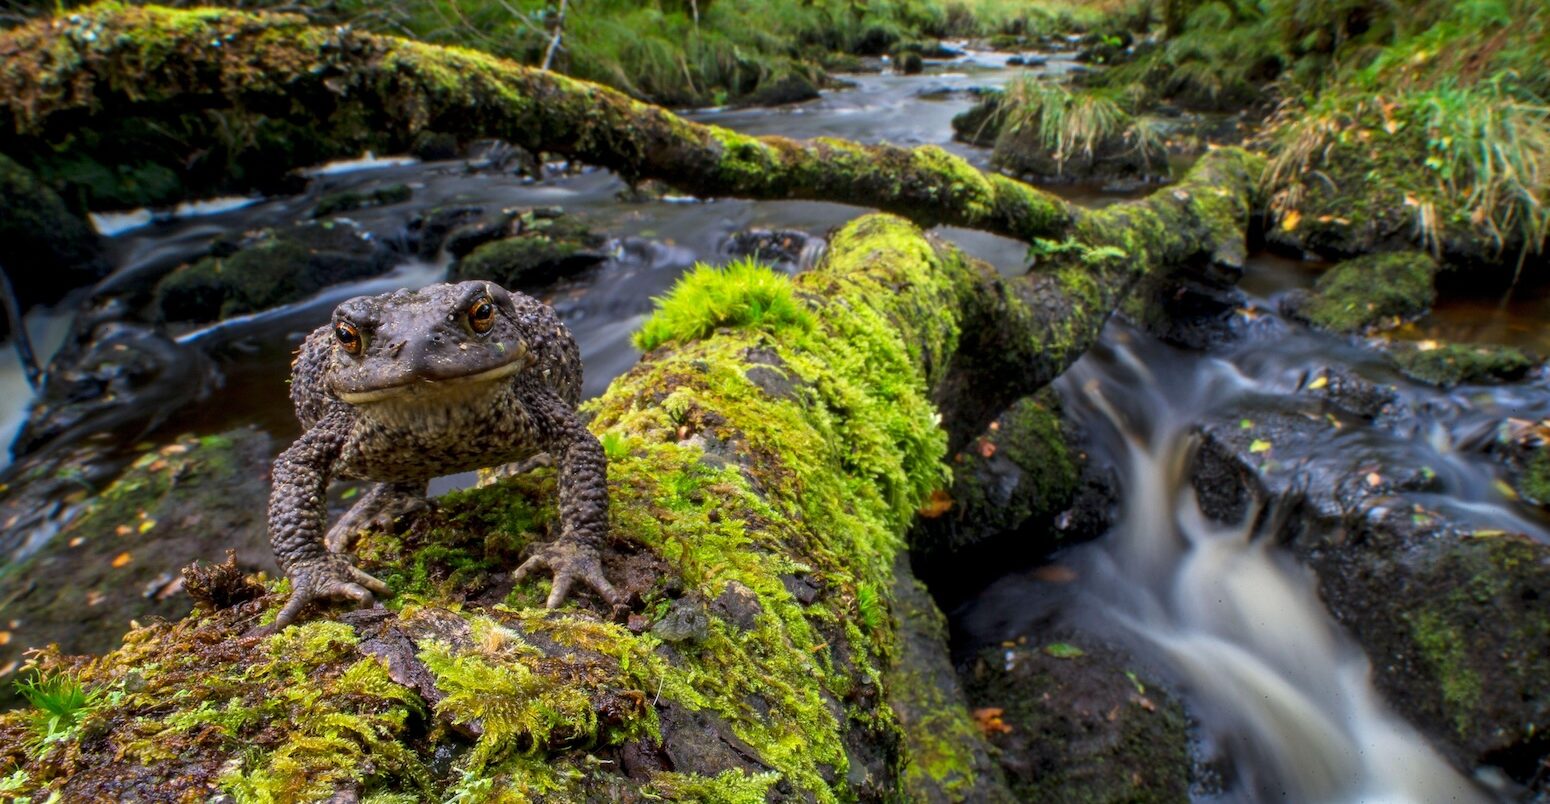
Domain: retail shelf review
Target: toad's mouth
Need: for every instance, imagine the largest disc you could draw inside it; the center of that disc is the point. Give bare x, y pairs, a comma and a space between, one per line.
422, 385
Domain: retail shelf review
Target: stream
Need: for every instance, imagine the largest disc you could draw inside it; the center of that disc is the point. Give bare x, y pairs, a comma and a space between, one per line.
1281, 696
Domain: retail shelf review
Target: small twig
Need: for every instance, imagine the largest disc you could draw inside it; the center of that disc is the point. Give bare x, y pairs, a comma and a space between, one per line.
13, 314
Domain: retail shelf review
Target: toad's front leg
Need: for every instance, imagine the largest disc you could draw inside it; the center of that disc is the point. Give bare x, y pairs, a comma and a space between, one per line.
583, 502
298, 515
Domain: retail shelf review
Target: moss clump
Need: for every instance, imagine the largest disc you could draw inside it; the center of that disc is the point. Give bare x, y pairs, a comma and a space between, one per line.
352, 200
530, 260
268, 269
1453, 364
1447, 653
1372, 291
1534, 481
744, 294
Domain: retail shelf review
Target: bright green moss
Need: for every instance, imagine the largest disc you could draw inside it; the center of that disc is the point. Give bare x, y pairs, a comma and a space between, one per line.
1456, 363
742, 294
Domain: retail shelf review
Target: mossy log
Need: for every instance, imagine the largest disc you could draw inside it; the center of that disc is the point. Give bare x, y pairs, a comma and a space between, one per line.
765, 461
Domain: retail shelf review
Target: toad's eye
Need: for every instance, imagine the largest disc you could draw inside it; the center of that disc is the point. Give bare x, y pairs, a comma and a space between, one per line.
481, 315
348, 336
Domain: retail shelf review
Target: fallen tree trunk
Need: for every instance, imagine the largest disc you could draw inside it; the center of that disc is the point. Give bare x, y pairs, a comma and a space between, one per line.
762, 472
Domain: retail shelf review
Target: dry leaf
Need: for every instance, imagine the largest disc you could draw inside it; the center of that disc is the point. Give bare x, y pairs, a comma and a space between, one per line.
938, 504
121, 560
988, 719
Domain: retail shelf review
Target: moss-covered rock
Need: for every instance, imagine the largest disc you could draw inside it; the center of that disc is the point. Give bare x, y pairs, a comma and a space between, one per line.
267, 269
1451, 615
1533, 481
539, 249
779, 90
1073, 721
49, 249
1451, 364
351, 200
1380, 290
1015, 477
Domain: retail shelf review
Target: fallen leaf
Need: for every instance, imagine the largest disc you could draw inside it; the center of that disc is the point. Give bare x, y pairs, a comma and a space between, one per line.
1374, 479
1318, 382
938, 504
123, 530
1064, 650
1145, 703
1055, 573
5, 637
1290, 220
146, 526
1245, 424
987, 448
1259, 445
121, 560
988, 719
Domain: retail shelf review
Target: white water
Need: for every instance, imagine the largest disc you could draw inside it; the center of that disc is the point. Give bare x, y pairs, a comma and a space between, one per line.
1281, 692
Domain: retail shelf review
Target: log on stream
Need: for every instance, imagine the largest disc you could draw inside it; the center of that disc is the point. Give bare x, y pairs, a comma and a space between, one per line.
763, 468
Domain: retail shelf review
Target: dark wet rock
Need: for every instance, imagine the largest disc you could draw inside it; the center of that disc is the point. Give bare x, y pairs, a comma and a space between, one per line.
787, 249
780, 90
351, 200
1452, 617
117, 554
1194, 306
1378, 291
1453, 364
269, 268
875, 41
738, 605
1073, 720
434, 146
949, 759
524, 250
1027, 61
125, 379
908, 63
49, 249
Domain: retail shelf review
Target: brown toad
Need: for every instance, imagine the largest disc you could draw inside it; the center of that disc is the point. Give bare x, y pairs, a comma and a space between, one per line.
405, 386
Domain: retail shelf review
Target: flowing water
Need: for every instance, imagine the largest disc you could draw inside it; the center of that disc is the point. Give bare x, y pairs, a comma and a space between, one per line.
1281, 693
1283, 697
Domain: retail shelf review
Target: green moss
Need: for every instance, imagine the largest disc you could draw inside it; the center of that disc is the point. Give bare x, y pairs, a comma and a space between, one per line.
743, 294
1446, 652
1372, 291
1534, 482
1456, 363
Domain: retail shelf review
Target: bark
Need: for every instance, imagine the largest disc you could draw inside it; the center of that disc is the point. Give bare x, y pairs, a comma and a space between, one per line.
762, 472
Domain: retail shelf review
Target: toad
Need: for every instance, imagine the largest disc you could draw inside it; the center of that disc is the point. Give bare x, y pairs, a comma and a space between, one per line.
406, 386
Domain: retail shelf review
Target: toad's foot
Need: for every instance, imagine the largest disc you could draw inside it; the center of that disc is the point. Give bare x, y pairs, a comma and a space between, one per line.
378, 509
330, 577
570, 560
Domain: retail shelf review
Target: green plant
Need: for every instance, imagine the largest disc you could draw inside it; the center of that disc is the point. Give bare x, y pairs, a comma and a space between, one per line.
62, 705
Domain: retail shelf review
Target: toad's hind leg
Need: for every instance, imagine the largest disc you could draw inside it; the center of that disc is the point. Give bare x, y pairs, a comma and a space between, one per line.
381, 505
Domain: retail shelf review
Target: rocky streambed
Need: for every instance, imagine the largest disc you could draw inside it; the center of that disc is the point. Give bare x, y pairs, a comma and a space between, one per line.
1233, 558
